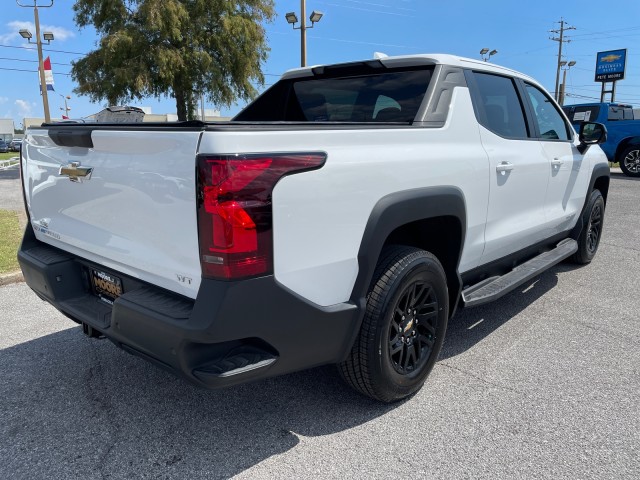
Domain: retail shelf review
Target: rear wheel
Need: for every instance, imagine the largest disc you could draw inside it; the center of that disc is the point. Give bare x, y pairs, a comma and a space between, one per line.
630, 161
403, 328
589, 238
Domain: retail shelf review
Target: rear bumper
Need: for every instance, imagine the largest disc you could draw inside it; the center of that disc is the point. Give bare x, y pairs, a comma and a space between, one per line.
232, 333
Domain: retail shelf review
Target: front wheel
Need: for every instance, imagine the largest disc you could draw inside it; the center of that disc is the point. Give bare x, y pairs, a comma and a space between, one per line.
630, 161
589, 238
403, 328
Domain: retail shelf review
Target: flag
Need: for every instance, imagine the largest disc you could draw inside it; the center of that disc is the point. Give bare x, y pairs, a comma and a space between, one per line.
48, 74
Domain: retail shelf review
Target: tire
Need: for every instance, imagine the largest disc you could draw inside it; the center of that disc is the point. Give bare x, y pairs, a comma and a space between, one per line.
403, 327
589, 238
630, 161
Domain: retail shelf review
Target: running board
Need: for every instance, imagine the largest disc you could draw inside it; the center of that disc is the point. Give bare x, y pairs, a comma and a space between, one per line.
495, 287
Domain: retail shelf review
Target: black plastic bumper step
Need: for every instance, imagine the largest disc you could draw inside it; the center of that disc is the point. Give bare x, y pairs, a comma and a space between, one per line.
236, 363
495, 287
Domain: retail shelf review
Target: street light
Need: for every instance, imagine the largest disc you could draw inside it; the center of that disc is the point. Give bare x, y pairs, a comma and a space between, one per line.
48, 36
568, 65
486, 54
292, 18
66, 107
315, 17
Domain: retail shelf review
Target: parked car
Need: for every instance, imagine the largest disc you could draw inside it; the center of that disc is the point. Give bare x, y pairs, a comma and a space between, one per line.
623, 131
4, 148
15, 144
342, 217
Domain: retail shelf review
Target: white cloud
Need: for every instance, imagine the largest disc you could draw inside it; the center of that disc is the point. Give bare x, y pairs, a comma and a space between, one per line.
9, 37
25, 108
12, 36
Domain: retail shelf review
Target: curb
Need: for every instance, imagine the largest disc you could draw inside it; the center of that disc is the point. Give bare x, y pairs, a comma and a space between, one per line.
9, 278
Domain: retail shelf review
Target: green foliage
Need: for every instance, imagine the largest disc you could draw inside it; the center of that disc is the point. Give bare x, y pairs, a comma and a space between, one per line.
179, 48
10, 236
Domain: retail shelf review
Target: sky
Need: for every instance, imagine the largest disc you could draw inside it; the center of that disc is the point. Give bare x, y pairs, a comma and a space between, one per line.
353, 30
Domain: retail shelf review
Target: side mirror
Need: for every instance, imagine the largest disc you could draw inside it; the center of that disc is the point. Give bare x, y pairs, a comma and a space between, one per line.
591, 133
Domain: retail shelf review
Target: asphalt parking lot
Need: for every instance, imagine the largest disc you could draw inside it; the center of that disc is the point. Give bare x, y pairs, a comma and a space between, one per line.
544, 383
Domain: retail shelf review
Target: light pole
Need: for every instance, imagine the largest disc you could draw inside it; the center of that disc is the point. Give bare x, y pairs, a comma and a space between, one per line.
486, 54
66, 108
565, 67
293, 19
48, 36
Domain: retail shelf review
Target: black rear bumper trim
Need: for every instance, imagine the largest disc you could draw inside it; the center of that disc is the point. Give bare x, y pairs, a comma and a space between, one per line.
233, 332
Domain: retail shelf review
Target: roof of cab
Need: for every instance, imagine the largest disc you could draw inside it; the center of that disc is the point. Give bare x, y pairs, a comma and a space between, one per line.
421, 59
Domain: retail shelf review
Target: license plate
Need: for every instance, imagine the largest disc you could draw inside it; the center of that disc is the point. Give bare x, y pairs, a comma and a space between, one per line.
106, 286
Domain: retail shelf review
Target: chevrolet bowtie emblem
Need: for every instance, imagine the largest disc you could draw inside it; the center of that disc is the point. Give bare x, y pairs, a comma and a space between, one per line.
75, 172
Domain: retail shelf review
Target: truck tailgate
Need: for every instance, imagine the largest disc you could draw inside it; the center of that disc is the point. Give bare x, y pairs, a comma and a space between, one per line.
134, 213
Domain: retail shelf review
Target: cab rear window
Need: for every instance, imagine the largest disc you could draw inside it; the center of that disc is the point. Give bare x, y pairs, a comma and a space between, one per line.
387, 96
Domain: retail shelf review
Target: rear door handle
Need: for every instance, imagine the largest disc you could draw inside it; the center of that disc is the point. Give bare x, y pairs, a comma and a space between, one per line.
504, 167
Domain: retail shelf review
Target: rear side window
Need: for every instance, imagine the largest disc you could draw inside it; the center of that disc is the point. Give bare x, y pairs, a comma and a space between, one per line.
388, 96
582, 114
617, 112
503, 112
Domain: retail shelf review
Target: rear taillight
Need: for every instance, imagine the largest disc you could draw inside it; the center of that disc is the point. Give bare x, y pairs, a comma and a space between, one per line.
235, 217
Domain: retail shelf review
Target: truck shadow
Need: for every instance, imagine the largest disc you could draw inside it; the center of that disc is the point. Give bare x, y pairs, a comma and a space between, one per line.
73, 404
470, 326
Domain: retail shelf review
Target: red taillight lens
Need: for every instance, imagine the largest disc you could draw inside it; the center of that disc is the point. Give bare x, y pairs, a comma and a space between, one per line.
234, 210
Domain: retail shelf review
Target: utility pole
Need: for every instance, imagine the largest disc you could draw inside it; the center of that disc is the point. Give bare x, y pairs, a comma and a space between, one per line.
292, 19
43, 85
303, 34
560, 41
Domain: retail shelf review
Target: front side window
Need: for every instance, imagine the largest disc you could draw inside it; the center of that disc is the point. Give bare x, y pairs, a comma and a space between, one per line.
550, 122
502, 107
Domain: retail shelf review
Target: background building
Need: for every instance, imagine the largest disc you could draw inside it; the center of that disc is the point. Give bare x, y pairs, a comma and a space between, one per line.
7, 129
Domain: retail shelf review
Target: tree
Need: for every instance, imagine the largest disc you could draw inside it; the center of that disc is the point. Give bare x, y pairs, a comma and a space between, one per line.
177, 48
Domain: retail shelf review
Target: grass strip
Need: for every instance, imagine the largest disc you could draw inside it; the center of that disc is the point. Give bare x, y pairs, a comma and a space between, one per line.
10, 236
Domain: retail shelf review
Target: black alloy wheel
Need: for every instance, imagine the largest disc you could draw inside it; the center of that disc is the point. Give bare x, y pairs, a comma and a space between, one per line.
593, 221
403, 327
595, 228
412, 332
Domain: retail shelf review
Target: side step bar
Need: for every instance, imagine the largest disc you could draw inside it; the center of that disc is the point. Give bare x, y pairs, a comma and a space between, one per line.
495, 287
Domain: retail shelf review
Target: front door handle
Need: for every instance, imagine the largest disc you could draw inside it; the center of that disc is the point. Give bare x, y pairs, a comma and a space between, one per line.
556, 162
504, 167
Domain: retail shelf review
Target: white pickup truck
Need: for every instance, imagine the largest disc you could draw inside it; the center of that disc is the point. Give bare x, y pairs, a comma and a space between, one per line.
341, 217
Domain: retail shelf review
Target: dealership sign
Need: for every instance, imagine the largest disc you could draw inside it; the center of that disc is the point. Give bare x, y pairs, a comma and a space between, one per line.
610, 65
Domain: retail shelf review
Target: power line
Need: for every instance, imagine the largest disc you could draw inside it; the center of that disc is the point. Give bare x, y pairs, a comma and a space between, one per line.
47, 49
32, 61
366, 9
30, 71
604, 31
381, 5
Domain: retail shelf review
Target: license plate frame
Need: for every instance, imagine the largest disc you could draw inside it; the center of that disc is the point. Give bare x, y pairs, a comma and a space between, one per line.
106, 286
